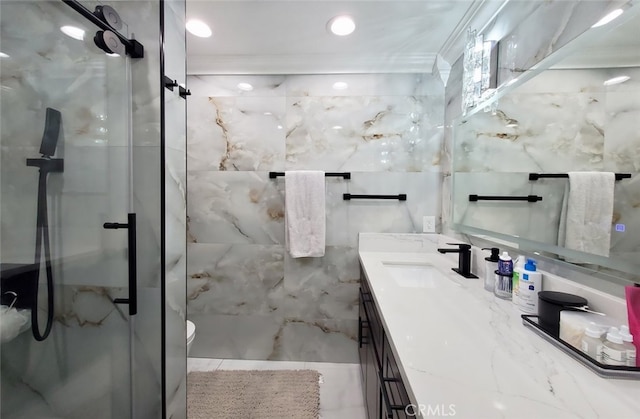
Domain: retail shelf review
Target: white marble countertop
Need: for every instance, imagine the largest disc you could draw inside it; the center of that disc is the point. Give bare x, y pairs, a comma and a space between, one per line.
460, 346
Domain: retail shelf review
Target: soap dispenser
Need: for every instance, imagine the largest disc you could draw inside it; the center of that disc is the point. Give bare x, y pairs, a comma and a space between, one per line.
490, 266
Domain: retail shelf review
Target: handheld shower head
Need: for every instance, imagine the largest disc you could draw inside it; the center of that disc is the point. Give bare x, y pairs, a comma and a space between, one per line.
51, 133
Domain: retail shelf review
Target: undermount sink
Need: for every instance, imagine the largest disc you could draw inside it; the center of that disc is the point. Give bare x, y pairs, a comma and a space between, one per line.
417, 275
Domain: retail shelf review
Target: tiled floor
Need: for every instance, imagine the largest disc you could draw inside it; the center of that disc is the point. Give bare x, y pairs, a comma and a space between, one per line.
340, 384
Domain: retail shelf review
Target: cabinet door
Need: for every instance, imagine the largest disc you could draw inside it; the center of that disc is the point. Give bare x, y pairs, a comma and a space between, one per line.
373, 385
363, 338
394, 394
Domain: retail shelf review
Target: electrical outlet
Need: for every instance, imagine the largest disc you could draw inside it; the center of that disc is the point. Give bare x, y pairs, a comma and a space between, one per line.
429, 224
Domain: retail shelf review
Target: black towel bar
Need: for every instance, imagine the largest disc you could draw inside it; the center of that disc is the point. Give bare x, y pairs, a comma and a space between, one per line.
536, 176
344, 175
400, 197
528, 198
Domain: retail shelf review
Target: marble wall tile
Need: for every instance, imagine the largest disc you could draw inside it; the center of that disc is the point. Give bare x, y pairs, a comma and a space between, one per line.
526, 127
39, 385
227, 86
390, 216
206, 144
270, 338
247, 133
322, 288
362, 134
386, 129
363, 85
306, 298
235, 207
235, 279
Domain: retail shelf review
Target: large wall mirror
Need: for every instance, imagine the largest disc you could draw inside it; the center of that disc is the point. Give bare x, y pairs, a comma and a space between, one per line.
579, 111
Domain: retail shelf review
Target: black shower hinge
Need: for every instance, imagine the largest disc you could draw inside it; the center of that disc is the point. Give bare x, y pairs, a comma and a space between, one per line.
184, 92
170, 84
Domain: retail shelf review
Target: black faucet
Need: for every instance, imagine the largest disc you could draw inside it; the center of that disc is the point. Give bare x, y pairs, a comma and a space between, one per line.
464, 259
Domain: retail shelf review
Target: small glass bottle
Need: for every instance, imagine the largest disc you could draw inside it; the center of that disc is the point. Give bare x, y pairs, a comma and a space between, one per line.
627, 338
613, 350
591, 343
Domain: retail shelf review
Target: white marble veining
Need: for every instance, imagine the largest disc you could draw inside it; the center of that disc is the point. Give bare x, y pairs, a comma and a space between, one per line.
385, 129
302, 308
565, 120
81, 370
481, 359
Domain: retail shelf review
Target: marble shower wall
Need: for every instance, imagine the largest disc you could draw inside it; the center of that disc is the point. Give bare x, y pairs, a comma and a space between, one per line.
248, 297
528, 32
82, 369
175, 188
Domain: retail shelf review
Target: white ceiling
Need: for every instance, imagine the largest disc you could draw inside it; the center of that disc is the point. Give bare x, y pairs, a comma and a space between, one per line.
290, 37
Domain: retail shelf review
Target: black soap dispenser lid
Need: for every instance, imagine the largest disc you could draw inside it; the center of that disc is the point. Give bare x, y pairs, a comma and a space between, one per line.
495, 254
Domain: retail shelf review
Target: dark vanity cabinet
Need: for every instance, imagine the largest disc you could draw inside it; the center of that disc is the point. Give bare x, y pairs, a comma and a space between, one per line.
384, 392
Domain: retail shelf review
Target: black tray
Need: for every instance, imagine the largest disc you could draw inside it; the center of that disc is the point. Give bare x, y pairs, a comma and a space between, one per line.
603, 370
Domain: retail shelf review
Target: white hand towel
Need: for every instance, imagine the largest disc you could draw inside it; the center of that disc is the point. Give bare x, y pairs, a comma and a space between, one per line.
305, 220
590, 212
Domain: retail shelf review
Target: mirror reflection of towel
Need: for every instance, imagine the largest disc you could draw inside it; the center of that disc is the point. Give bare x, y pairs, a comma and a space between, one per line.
587, 213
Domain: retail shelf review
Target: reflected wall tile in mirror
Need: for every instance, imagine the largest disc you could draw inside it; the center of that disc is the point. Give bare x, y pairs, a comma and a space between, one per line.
234, 207
525, 127
536, 221
625, 240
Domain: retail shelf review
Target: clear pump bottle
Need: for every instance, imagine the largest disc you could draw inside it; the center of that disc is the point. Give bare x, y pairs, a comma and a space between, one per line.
614, 351
592, 342
490, 266
627, 338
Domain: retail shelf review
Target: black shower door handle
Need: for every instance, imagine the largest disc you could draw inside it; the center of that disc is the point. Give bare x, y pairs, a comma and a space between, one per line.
133, 271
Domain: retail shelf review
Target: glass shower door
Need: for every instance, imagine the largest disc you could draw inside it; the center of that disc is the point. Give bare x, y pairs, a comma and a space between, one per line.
66, 109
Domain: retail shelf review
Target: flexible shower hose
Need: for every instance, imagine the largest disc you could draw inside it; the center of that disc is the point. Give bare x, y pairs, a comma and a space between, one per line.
42, 239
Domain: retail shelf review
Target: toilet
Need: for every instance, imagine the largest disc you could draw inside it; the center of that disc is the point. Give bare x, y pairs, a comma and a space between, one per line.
191, 334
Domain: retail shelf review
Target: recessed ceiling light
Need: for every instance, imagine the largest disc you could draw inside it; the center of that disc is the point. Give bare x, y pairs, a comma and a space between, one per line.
3, 55
608, 18
337, 127
340, 85
341, 25
616, 80
199, 28
245, 86
73, 32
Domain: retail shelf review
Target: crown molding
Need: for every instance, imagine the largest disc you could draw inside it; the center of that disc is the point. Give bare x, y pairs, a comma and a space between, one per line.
310, 64
479, 14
